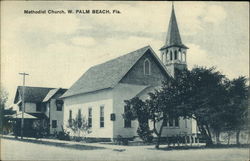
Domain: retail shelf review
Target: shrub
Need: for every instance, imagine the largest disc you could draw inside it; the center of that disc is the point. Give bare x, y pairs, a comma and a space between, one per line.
121, 141
62, 135
145, 134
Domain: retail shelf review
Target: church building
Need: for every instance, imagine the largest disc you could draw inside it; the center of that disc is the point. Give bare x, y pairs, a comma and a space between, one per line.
100, 92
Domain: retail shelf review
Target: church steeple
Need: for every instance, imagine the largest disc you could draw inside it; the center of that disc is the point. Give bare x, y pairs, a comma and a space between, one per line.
173, 53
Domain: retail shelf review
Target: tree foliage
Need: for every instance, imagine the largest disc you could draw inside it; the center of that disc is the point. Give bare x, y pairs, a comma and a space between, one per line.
204, 94
5, 124
79, 125
137, 109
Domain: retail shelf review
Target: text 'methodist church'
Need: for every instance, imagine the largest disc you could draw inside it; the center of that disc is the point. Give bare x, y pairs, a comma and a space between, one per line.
100, 92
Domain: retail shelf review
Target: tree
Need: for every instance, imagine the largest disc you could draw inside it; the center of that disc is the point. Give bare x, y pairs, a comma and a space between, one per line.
40, 127
203, 94
236, 114
206, 100
162, 106
5, 124
79, 125
137, 109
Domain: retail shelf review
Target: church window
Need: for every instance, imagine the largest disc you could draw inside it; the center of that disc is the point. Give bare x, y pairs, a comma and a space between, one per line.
165, 123
101, 116
127, 121
175, 55
171, 55
176, 121
185, 123
70, 117
184, 56
171, 123
167, 55
90, 117
147, 69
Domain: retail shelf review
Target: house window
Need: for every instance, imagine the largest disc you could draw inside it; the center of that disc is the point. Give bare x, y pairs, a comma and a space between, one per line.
59, 104
171, 55
90, 117
38, 107
127, 122
54, 123
176, 121
70, 117
146, 67
175, 55
101, 116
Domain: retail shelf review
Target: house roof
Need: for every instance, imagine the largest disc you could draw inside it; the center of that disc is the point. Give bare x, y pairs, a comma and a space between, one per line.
25, 116
32, 94
52, 92
173, 35
146, 91
108, 74
39, 115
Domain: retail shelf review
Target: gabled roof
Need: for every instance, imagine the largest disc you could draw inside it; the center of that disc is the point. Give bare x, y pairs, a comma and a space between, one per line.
32, 94
108, 74
25, 116
173, 35
147, 90
52, 92
38, 115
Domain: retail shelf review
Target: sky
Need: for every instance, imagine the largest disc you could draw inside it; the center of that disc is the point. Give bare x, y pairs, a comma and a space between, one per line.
56, 49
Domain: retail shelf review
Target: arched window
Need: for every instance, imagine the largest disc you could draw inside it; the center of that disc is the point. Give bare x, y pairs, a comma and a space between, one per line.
167, 55
147, 69
184, 56
175, 55
171, 55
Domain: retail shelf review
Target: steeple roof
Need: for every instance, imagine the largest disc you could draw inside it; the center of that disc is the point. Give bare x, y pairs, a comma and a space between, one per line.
173, 35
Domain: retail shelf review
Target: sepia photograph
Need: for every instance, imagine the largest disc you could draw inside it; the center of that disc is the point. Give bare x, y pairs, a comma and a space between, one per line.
124, 80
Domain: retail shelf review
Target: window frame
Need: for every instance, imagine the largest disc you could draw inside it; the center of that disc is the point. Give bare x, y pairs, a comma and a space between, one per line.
165, 123
127, 123
186, 123
38, 107
149, 67
171, 122
70, 118
54, 124
60, 107
175, 55
175, 121
102, 123
90, 111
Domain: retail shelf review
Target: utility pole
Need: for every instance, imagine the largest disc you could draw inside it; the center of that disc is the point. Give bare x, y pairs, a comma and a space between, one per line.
23, 103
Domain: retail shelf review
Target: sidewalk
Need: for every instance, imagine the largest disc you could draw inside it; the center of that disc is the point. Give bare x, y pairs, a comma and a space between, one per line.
97, 145
70, 144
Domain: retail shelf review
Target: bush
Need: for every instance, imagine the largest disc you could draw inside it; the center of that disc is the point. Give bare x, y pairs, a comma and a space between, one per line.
121, 141
63, 136
145, 134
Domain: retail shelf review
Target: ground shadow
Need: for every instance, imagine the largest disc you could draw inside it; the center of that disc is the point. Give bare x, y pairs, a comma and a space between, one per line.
59, 144
220, 146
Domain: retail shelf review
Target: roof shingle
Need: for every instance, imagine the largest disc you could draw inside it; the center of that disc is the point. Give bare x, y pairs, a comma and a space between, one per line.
52, 92
105, 75
32, 94
173, 36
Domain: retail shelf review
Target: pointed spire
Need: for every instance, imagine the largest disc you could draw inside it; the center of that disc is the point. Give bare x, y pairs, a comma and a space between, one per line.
173, 35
